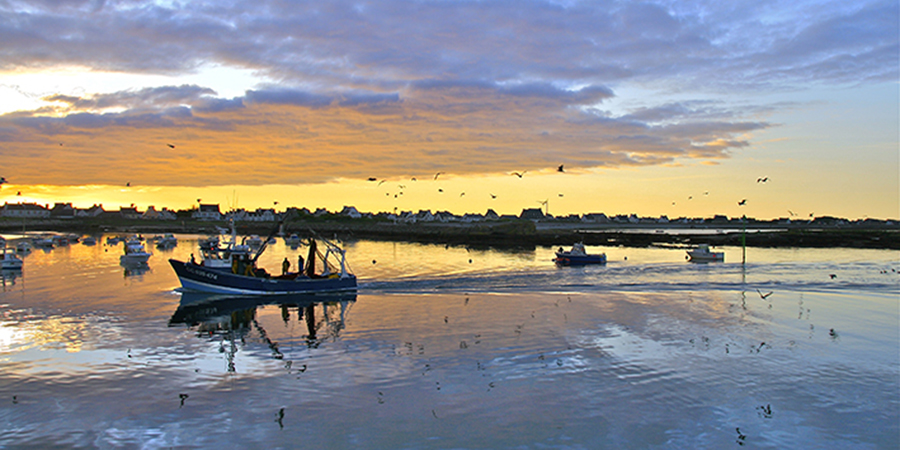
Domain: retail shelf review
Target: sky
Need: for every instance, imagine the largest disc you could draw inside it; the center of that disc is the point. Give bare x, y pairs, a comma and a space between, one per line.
673, 108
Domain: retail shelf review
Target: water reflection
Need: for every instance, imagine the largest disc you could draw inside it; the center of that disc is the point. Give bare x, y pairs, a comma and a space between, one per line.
8, 277
234, 317
134, 269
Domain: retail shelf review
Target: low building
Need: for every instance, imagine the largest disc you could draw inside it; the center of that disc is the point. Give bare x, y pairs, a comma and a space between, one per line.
207, 212
63, 211
24, 210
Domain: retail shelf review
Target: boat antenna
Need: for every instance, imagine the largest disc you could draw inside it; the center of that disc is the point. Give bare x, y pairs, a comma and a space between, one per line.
265, 243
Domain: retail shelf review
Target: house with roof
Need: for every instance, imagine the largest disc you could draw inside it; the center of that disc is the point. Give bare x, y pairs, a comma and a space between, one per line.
93, 211
532, 214
24, 210
63, 211
129, 212
207, 212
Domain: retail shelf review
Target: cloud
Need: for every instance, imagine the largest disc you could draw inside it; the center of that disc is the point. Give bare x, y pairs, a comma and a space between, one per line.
395, 87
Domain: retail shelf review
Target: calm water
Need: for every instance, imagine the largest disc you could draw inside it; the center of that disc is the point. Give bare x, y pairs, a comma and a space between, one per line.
448, 347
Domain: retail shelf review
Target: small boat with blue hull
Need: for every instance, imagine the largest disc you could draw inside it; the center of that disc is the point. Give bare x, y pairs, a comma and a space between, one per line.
230, 269
577, 256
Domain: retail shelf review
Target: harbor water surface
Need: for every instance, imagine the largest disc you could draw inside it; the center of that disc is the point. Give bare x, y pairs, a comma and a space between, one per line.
454, 347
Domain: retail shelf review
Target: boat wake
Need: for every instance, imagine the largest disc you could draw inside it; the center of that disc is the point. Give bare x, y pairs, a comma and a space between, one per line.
852, 277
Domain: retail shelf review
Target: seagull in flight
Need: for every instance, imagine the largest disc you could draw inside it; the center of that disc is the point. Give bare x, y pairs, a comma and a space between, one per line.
3, 180
519, 174
764, 296
171, 145
437, 175
742, 202
560, 168
373, 179
762, 180
493, 196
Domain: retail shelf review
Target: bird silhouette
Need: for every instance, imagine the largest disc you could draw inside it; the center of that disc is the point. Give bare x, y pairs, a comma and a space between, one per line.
372, 179
560, 168
519, 174
742, 202
440, 190
764, 296
762, 180
128, 184
437, 175
493, 196
170, 145
3, 180
791, 213
381, 182
19, 193
462, 193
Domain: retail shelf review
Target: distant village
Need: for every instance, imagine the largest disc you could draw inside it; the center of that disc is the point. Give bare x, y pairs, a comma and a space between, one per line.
212, 212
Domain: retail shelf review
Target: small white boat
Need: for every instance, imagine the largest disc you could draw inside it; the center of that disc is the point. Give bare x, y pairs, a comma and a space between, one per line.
167, 241
703, 254
9, 260
134, 252
45, 241
293, 240
254, 241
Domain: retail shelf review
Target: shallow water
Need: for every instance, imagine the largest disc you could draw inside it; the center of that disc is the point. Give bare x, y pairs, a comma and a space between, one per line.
449, 347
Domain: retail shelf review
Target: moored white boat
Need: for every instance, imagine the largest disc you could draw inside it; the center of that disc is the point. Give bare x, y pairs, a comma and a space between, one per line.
135, 253
703, 254
9, 260
167, 241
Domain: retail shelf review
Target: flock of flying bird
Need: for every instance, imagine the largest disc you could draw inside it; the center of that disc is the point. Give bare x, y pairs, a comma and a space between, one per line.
560, 168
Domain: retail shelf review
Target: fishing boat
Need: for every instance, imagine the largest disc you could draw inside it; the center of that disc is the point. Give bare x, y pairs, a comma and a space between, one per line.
577, 256
9, 260
230, 269
23, 247
135, 253
703, 254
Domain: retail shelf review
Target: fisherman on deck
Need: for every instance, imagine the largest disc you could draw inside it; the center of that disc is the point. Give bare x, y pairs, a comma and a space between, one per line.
285, 266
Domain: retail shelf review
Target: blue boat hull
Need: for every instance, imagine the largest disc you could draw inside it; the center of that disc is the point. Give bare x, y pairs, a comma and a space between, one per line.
567, 259
198, 278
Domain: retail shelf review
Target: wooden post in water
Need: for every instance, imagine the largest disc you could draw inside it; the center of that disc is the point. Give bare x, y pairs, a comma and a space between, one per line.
744, 240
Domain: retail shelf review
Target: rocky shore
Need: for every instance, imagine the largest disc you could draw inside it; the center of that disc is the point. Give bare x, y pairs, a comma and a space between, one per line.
517, 233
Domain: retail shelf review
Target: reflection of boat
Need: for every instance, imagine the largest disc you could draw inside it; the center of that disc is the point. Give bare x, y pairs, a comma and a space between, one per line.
578, 256
134, 252
199, 307
231, 270
9, 260
134, 268
8, 277
232, 318
703, 254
